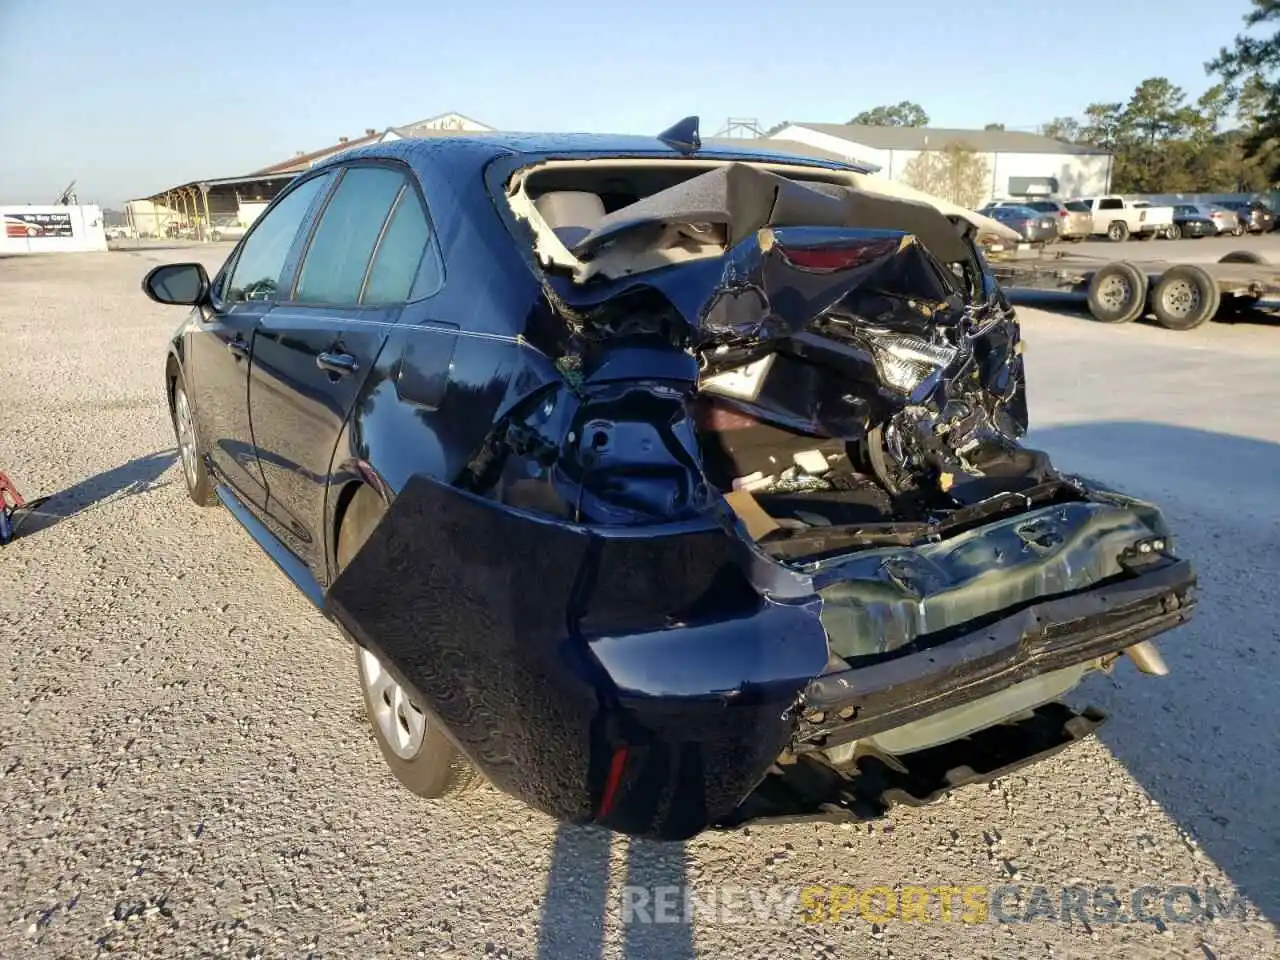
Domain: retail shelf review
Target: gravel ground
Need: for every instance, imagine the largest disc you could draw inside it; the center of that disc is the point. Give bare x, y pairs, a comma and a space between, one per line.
184, 770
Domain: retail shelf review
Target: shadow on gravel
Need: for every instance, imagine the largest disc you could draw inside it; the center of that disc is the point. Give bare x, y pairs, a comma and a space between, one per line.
127, 480
577, 901
1202, 741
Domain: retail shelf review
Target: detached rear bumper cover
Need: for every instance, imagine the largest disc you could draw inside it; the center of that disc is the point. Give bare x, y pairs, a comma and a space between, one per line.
548, 650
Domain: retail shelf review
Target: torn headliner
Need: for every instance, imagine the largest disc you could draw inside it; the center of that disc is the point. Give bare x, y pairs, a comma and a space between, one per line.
880, 199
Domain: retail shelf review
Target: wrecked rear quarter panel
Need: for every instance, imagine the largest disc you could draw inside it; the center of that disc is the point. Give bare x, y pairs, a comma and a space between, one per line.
544, 647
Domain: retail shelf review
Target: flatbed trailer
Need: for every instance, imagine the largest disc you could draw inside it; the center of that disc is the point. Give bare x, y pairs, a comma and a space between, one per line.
1182, 296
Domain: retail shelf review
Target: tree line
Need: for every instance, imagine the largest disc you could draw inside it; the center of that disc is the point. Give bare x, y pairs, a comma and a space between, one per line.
1227, 140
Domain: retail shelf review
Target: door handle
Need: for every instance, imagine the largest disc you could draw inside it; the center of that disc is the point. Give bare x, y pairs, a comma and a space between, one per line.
340, 364
239, 348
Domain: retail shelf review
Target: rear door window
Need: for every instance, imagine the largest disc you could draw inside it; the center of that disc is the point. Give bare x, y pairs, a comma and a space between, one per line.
1111, 203
343, 243
400, 253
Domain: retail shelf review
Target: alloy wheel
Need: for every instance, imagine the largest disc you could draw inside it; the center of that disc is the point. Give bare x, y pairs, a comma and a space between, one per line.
401, 722
186, 436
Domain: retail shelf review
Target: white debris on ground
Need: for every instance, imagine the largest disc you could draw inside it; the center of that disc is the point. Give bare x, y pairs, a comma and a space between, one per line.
184, 770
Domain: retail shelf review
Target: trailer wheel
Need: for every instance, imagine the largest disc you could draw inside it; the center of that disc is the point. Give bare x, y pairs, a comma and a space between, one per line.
1117, 292
1118, 232
1243, 256
1185, 297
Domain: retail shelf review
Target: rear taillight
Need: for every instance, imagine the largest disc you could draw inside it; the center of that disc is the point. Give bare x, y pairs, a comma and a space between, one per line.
1142, 217
1063, 213
829, 259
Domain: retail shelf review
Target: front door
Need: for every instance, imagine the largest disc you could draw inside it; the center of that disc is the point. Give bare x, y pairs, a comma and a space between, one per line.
217, 364
218, 355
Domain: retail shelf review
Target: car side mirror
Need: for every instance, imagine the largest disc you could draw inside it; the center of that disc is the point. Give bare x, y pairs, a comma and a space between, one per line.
179, 284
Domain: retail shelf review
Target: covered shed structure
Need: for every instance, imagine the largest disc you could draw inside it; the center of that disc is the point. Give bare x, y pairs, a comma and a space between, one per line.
196, 209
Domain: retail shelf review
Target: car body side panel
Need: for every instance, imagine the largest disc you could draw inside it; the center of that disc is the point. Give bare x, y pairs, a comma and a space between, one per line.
429, 402
484, 610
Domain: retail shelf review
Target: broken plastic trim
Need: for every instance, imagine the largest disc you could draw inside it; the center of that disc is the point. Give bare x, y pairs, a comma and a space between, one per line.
939, 379
809, 789
883, 349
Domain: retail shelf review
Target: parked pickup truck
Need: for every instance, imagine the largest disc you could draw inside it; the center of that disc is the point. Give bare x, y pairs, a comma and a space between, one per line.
1159, 220
1119, 218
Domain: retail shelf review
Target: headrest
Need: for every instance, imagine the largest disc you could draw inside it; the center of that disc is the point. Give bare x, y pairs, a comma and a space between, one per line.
570, 213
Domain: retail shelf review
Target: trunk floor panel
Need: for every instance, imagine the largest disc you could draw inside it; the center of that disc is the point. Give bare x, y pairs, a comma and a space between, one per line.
884, 599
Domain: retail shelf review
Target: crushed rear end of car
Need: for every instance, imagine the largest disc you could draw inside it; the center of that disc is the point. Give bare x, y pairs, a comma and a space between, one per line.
755, 537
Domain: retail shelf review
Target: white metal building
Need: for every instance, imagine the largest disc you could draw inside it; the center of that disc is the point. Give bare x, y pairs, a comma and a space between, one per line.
1018, 164
443, 123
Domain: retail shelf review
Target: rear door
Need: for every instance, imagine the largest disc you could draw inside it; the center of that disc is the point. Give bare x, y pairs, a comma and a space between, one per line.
313, 352
217, 356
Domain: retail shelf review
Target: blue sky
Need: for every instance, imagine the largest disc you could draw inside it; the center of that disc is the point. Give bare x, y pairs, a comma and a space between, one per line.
131, 96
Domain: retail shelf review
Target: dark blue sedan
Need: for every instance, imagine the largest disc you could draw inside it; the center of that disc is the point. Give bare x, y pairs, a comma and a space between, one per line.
1189, 221
665, 487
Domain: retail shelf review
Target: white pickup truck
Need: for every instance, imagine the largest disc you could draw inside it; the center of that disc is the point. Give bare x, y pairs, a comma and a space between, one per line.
1119, 218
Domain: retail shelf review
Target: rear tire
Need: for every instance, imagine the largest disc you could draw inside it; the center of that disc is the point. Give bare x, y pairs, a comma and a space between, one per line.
1174, 232
1117, 293
410, 736
1185, 297
1238, 230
